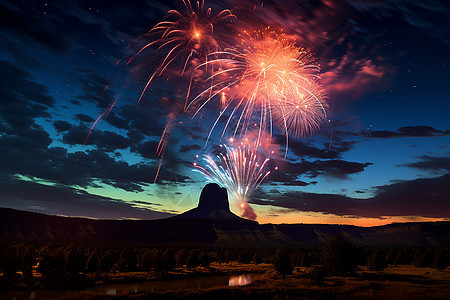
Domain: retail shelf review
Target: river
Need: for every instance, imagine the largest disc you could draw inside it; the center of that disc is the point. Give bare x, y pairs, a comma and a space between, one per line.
130, 288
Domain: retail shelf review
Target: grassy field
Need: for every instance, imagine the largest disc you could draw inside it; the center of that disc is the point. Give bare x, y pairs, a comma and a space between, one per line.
402, 282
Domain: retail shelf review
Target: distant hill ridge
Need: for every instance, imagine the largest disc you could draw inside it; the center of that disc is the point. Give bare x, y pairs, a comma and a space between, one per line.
21, 225
212, 224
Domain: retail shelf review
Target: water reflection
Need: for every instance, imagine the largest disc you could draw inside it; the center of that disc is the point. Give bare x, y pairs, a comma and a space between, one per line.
205, 282
240, 280
112, 292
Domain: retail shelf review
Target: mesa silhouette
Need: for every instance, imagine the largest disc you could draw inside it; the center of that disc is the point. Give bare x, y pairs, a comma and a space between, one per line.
213, 204
212, 223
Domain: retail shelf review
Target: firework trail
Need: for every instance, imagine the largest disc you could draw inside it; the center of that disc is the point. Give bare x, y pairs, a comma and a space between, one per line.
104, 115
162, 145
262, 77
185, 35
240, 169
331, 138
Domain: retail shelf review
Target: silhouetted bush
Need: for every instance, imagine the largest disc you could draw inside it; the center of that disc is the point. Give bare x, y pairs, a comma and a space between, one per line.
75, 260
107, 261
391, 254
9, 261
282, 262
296, 258
180, 257
339, 255
404, 256
423, 257
304, 258
204, 259
93, 261
193, 258
127, 260
166, 260
377, 261
245, 256
146, 261
441, 259
257, 257
53, 262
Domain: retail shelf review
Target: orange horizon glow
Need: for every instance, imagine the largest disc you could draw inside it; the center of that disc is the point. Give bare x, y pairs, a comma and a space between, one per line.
360, 222
286, 216
355, 221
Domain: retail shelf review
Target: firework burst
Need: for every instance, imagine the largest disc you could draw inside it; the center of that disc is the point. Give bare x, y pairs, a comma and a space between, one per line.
240, 169
185, 35
300, 109
262, 76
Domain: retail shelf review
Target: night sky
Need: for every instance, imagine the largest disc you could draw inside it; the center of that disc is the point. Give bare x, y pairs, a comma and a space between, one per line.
382, 156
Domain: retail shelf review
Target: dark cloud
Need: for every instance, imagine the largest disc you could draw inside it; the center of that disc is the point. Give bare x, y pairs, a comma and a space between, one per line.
195, 133
296, 183
25, 145
135, 136
431, 163
24, 90
144, 117
146, 203
30, 24
94, 89
116, 119
301, 149
84, 118
422, 197
289, 172
148, 149
340, 146
188, 148
107, 140
129, 186
408, 131
431, 17
62, 126
23, 100
406, 198
335, 168
63, 200
33, 159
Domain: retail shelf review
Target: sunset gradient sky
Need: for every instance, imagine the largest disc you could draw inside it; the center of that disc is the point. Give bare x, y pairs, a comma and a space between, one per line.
384, 64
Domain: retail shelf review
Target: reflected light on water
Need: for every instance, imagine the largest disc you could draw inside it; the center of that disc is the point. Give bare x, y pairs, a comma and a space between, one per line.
111, 292
240, 280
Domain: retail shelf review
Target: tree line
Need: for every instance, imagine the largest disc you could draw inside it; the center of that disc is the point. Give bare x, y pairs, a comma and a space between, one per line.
336, 256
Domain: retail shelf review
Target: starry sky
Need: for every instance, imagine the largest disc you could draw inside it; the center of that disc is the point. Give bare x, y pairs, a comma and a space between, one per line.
382, 156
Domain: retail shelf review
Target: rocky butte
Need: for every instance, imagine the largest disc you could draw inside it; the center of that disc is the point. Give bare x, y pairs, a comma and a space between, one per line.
213, 205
